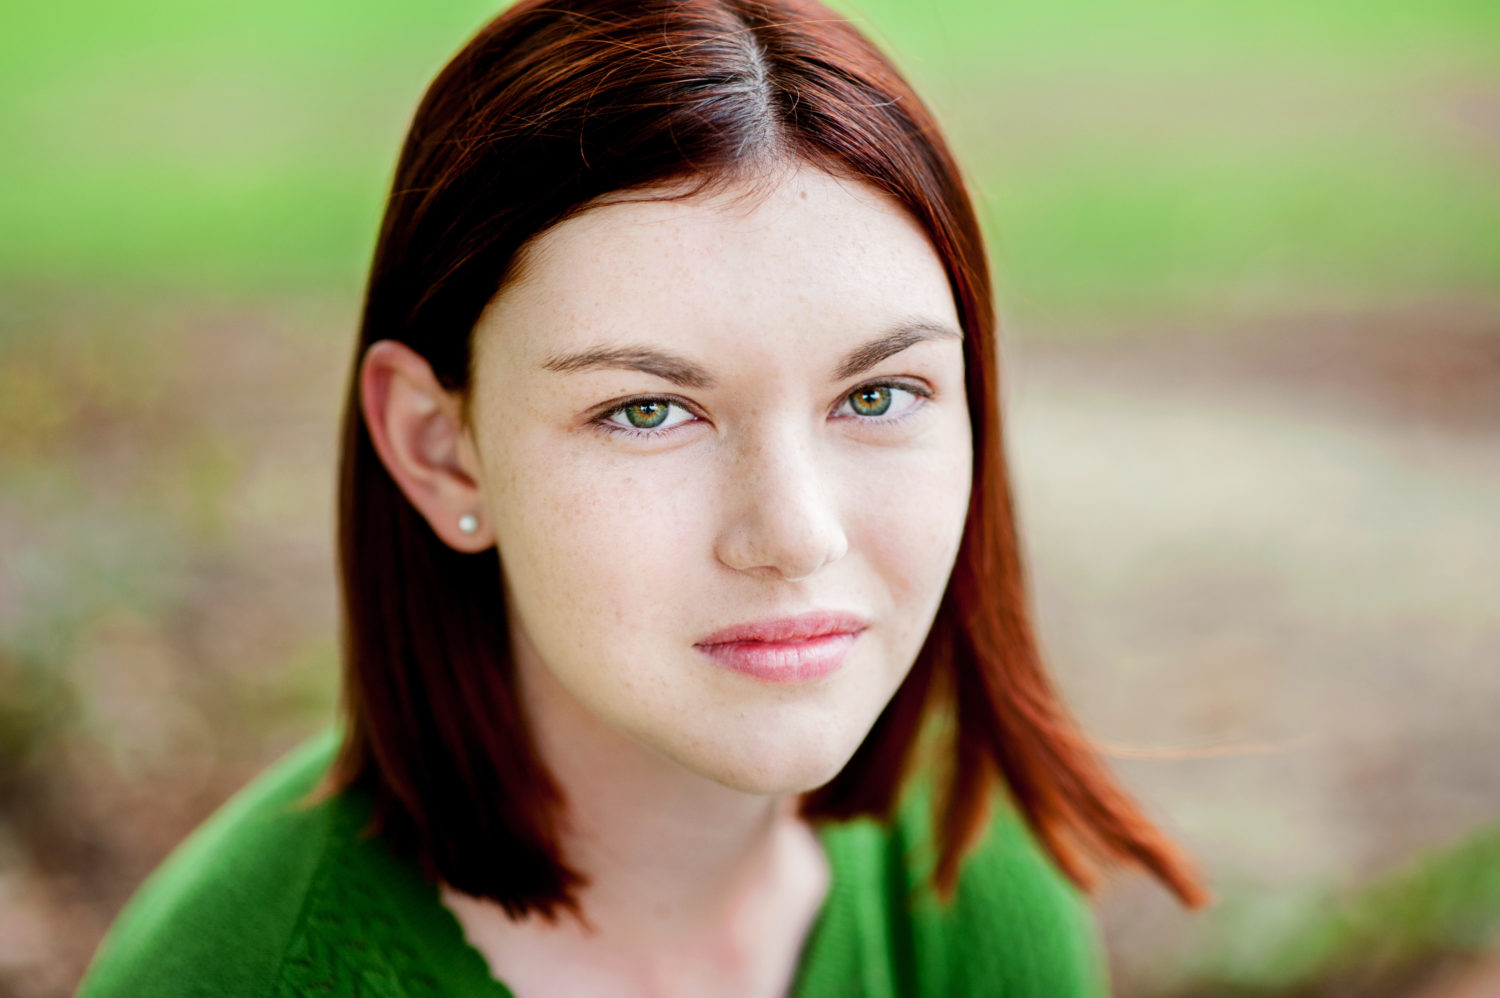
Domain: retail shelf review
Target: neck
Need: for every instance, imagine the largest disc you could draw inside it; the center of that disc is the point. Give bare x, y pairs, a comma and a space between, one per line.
668, 853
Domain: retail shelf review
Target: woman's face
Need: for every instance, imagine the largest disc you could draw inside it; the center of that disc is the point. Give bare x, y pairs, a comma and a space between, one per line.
696, 414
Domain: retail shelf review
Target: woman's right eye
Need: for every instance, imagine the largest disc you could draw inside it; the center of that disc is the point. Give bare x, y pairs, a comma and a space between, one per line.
645, 417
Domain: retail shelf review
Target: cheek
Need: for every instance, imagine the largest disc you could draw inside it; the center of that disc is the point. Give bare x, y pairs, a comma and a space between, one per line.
912, 529
594, 551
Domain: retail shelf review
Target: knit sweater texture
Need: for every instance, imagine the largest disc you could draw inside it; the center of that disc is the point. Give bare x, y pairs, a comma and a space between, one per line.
276, 897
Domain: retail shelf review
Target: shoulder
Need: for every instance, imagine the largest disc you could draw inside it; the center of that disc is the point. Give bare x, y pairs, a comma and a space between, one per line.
1015, 924
221, 914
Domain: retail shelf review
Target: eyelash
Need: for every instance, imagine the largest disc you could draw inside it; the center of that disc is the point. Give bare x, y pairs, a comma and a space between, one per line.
922, 393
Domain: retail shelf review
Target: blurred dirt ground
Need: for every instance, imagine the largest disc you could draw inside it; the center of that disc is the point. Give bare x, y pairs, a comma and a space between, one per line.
1272, 552
1278, 552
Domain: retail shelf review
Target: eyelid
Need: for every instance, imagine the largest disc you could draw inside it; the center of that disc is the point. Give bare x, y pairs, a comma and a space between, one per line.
610, 408
914, 385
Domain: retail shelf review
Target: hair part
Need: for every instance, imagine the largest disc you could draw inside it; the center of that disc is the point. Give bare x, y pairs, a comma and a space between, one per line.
557, 106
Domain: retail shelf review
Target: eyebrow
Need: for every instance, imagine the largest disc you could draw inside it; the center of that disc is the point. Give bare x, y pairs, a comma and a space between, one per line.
686, 373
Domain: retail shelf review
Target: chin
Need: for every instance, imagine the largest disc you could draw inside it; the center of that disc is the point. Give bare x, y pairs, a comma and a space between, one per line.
778, 763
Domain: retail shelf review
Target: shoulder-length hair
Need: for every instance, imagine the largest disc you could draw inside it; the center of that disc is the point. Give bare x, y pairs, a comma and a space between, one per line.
549, 107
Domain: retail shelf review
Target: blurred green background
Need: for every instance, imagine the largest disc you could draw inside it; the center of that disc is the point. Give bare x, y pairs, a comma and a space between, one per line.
1249, 267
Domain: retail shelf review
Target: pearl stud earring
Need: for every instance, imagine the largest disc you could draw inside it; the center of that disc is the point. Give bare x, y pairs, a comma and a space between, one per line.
468, 523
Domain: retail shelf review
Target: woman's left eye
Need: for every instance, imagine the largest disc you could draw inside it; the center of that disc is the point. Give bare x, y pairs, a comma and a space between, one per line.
880, 402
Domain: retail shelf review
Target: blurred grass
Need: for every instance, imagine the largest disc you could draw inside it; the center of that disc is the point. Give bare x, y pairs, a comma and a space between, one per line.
1441, 908
247, 149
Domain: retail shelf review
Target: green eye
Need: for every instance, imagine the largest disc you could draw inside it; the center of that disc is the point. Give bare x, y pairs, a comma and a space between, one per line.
646, 415
871, 401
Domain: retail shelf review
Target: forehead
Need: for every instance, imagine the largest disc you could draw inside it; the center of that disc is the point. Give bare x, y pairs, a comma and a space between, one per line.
808, 253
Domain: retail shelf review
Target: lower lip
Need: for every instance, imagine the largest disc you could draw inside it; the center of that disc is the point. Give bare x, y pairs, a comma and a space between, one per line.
784, 661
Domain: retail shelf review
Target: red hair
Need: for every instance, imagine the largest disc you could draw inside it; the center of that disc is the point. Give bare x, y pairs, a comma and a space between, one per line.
549, 107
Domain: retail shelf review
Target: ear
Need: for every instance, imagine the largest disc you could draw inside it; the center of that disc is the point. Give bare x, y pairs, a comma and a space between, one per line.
417, 428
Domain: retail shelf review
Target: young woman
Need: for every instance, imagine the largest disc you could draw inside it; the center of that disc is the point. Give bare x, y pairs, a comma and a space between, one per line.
687, 643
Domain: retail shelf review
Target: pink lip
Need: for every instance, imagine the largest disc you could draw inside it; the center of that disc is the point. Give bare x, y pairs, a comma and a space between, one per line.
785, 649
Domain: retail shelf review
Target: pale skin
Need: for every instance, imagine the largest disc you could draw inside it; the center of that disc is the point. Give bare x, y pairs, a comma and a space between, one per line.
746, 484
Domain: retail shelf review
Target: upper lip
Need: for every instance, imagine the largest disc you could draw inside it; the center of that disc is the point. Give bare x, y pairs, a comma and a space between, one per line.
799, 628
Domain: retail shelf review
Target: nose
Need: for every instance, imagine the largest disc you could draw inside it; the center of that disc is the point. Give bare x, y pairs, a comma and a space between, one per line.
781, 511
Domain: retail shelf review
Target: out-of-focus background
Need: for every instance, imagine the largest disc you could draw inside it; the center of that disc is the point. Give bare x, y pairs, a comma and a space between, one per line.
1249, 261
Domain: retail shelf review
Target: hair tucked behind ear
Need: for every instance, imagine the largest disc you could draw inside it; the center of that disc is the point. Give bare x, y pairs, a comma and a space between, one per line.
550, 106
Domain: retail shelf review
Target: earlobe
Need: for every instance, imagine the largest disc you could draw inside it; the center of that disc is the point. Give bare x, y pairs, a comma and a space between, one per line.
417, 428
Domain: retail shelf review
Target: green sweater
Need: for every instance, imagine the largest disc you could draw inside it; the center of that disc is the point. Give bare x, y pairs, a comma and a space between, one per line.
274, 897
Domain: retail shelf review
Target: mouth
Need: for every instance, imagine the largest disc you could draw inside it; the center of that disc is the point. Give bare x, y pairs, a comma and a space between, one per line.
786, 649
